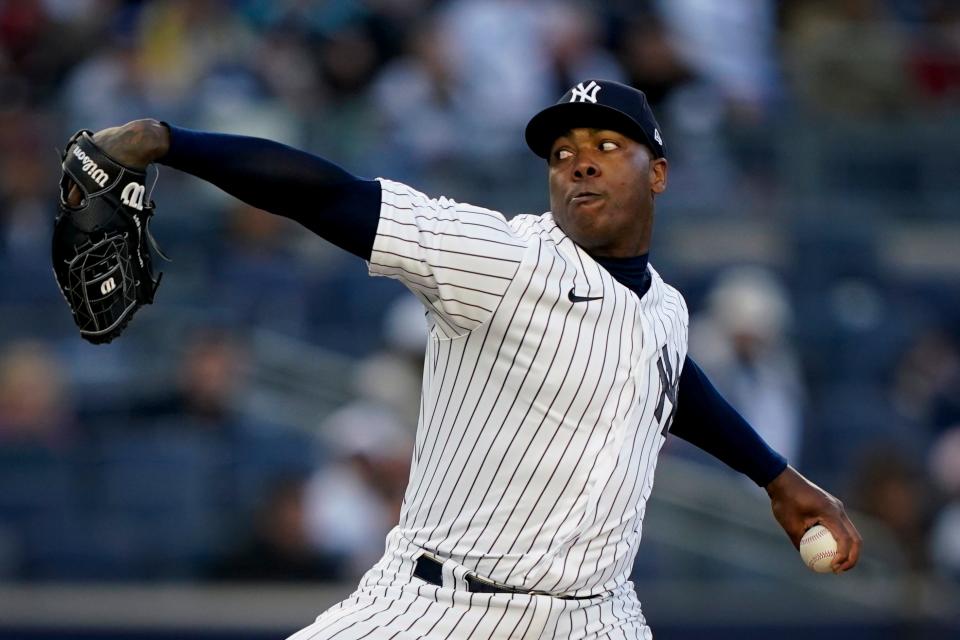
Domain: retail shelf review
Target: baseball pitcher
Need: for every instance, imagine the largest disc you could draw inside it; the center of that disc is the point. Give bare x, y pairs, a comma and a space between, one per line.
556, 367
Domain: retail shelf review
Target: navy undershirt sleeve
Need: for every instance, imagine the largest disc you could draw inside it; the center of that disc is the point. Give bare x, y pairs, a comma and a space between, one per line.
320, 195
705, 419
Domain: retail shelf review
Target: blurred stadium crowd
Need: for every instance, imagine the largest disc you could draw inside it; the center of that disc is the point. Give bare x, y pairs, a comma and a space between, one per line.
256, 422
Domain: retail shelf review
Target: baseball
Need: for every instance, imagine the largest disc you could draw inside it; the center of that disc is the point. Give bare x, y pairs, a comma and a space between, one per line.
817, 548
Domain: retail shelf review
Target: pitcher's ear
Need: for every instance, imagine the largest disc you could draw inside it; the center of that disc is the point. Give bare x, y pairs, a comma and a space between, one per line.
658, 175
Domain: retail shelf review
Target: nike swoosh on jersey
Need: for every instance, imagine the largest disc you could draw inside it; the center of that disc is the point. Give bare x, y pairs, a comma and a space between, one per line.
575, 298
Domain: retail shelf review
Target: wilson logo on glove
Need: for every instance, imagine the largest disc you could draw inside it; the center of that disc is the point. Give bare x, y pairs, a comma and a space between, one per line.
132, 195
90, 167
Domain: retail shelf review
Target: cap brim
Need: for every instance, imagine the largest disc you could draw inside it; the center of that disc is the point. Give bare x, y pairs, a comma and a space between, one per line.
554, 121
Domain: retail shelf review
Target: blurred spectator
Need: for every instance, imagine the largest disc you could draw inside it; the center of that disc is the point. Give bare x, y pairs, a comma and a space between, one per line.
651, 61
107, 87
742, 343
279, 548
288, 67
499, 56
24, 190
164, 60
732, 45
675, 62
181, 44
945, 536
392, 376
893, 488
39, 41
27, 210
353, 502
35, 408
204, 390
348, 60
935, 59
574, 42
416, 95
210, 378
22, 24
259, 279
392, 22
848, 58
926, 384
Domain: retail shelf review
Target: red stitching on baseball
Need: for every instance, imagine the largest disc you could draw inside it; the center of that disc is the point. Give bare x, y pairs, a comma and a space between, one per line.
816, 536
820, 556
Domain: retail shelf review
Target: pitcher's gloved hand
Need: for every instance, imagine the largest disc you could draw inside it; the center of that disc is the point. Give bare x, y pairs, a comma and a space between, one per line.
101, 238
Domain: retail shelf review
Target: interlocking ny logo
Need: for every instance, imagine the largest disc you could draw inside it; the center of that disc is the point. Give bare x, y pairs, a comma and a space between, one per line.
132, 195
668, 388
585, 93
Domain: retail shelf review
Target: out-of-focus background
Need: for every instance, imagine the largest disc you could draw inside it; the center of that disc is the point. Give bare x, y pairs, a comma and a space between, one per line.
230, 466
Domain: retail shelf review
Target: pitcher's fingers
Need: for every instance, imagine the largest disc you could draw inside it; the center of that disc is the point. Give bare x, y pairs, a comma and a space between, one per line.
74, 196
853, 554
834, 525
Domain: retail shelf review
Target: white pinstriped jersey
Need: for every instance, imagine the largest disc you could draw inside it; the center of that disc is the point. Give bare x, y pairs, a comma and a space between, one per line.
547, 391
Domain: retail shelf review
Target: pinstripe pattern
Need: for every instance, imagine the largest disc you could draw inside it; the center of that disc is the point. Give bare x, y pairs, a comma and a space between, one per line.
391, 604
540, 425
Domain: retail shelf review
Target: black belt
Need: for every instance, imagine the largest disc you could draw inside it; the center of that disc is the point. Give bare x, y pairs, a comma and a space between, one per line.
430, 570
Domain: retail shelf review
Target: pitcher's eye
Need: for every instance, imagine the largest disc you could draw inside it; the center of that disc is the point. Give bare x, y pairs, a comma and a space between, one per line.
562, 154
609, 145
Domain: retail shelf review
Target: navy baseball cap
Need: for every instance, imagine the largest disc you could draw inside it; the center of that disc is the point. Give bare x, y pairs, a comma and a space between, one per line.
600, 104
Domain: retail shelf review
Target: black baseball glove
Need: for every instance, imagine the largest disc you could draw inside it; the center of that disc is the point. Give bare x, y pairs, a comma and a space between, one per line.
101, 256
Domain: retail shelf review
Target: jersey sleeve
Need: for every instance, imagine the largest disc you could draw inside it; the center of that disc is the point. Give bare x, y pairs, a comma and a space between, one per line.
457, 258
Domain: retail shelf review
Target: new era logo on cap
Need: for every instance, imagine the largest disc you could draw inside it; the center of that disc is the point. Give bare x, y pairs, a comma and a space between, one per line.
602, 104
